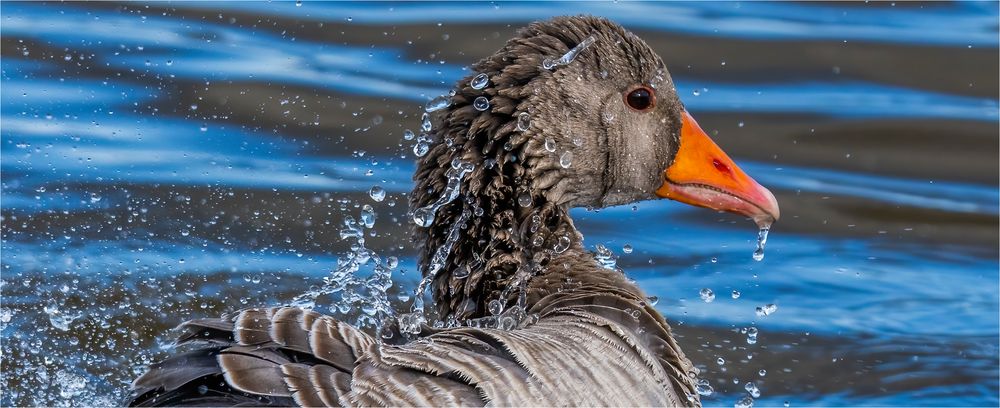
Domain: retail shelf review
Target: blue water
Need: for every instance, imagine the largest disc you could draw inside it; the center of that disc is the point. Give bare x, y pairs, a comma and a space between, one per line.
169, 161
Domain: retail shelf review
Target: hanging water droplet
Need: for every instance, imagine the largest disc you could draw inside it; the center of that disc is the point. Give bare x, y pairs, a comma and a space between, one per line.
627, 248
736, 294
377, 193
703, 388
479, 81
438, 103
562, 244
408, 134
481, 103
758, 254
550, 144
523, 121
566, 160
524, 200
707, 295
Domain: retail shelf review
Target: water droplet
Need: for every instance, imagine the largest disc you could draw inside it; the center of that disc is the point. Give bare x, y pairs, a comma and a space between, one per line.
758, 254
752, 335
627, 248
736, 294
377, 193
408, 134
570, 55
566, 160
752, 389
368, 216
524, 200
425, 122
495, 307
766, 309
298, 3
653, 300
423, 217
391, 262
481, 103
437, 103
420, 149
703, 387
762, 372
707, 295
479, 81
695, 92
523, 121
562, 244
715, 260
550, 144
720, 361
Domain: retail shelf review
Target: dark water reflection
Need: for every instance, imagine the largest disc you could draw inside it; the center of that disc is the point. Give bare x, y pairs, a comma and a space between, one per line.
168, 161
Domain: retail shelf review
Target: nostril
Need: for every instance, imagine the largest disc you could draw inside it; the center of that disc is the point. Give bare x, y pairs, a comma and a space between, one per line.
722, 167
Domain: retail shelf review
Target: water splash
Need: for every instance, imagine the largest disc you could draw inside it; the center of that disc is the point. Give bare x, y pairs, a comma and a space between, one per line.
758, 254
424, 216
570, 55
411, 322
365, 293
605, 257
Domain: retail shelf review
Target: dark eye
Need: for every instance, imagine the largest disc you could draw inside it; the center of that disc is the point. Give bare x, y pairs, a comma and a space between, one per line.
640, 99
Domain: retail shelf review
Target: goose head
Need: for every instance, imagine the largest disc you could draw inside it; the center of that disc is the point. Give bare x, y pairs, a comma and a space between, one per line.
571, 112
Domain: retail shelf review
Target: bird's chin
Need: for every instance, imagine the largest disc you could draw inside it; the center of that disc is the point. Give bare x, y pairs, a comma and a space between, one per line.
762, 207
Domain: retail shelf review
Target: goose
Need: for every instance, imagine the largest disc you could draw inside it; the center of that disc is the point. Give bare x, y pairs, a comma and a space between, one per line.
571, 112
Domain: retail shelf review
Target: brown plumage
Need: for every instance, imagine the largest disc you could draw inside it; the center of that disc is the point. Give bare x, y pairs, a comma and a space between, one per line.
590, 338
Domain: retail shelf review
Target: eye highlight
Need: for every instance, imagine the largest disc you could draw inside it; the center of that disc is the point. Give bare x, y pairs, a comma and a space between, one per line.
641, 98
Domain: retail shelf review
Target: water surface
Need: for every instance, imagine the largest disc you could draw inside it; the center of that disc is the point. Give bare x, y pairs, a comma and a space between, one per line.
169, 161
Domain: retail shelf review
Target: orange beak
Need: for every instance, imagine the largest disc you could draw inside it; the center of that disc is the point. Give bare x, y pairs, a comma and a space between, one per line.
703, 175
